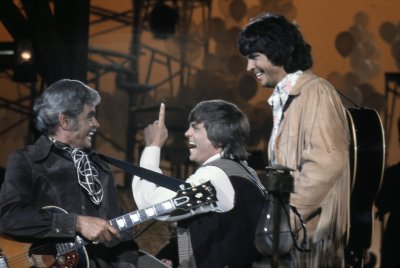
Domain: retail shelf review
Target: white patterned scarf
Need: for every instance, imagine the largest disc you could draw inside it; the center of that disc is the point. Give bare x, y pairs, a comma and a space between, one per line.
277, 101
87, 174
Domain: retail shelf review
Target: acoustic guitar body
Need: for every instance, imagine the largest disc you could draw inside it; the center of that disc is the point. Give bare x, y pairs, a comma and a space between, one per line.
367, 160
20, 254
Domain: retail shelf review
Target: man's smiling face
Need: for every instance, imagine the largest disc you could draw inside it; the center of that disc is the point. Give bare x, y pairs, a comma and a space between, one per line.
83, 129
200, 146
267, 74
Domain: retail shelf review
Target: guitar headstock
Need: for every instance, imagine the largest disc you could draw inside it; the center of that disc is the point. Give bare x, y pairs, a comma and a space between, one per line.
196, 196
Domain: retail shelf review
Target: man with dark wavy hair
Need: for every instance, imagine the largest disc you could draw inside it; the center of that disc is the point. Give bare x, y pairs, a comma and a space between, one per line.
211, 236
310, 134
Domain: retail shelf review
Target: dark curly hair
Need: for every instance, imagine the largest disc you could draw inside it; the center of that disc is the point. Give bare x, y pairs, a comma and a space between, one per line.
278, 39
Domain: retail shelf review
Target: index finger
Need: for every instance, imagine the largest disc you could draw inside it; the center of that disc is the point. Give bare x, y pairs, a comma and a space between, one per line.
161, 116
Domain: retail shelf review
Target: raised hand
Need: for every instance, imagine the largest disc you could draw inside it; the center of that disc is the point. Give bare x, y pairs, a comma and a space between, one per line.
156, 134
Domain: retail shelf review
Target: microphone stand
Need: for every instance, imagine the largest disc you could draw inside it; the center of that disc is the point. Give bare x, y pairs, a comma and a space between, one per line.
279, 185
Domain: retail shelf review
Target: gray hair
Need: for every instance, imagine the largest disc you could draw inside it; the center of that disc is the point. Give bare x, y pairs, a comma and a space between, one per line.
63, 97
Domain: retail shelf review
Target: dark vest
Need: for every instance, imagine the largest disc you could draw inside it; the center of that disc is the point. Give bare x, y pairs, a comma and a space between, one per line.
227, 239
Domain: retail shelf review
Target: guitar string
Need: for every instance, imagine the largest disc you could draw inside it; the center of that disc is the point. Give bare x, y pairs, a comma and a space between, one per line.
35, 251
24, 257
48, 248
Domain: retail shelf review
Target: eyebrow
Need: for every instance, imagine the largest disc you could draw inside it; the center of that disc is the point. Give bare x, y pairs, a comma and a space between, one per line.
252, 55
194, 124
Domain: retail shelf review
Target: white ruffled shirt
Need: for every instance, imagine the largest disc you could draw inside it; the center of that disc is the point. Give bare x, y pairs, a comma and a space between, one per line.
147, 194
277, 101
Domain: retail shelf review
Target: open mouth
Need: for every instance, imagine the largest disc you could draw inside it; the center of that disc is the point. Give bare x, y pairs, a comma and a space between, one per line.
259, 74
91, 133
191, 144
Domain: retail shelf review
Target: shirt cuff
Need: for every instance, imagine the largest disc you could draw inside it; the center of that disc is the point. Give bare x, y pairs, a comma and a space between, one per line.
64, 225
150, 158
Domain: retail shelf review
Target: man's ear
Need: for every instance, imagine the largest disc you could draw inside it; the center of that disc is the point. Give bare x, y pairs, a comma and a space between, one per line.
65, 121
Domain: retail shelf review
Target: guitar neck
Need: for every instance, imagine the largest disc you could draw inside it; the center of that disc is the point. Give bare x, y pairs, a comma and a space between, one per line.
185, 200
124, 222
133, 218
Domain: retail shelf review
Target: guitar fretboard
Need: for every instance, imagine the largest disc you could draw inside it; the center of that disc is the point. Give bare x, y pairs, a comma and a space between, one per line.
186, 199
123, 222
128, 220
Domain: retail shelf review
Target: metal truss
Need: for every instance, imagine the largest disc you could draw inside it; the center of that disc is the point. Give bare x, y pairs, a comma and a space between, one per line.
141, 61
126, 65
392, 92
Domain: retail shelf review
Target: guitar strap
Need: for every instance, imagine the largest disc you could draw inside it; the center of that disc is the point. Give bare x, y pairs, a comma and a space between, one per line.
165, 181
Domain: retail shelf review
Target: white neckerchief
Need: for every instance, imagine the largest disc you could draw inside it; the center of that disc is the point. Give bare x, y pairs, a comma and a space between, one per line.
277, 101
87, 174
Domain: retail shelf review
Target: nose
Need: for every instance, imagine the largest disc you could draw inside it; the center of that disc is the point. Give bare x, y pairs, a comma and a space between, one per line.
187, 133
96, 123
250, 65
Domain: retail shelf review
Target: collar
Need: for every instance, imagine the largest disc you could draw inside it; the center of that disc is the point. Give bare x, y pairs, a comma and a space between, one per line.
288, 82
213, 158
306, 77
43, 146
283, 88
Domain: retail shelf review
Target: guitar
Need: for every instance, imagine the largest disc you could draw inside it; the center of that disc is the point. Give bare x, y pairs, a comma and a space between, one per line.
367, 160
17, 254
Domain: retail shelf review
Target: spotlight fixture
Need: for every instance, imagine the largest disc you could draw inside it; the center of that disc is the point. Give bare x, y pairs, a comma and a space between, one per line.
24, 67
24, 52
163, 20
26, 55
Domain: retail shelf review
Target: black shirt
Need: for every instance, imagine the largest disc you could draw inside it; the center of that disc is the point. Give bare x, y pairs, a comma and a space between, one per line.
43, 175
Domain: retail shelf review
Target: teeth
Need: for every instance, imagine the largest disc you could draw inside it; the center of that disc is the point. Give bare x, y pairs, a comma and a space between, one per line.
91, 134
192, 145
259, 74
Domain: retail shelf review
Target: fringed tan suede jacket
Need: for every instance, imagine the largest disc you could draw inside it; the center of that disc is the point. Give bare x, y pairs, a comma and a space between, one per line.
313, 139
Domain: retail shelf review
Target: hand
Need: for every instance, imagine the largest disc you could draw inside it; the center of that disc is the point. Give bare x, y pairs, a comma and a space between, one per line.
167, 262
96, 229
156, 134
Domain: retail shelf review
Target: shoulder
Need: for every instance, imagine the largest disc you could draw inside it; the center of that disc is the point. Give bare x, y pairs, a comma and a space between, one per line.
25, 154
317, 92
18, 156
215, 175
206, 173
310, 84
40, 150
317, 85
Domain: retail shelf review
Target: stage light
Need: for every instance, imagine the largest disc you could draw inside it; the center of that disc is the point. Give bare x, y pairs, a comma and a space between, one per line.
24, 68
24, 52
163, 20
26, 56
